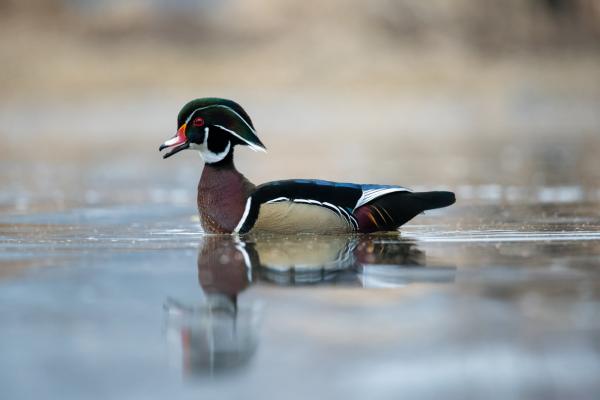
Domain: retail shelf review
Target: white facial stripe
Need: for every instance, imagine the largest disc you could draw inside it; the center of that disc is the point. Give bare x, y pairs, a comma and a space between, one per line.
207, 155
221, 106
250, 144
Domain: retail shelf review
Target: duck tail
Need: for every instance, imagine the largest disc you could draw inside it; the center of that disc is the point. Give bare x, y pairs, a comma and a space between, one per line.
393, 210
432, 200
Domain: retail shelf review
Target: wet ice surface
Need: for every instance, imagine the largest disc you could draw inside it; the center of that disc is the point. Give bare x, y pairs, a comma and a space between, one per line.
474, 301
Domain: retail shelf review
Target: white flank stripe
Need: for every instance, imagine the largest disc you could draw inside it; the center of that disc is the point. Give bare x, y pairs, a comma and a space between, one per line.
336, 208
244, 216
350, 218
343, 213
318, 203
339, 211
277, 200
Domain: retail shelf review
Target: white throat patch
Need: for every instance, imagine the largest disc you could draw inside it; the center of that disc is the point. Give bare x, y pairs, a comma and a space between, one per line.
208, 156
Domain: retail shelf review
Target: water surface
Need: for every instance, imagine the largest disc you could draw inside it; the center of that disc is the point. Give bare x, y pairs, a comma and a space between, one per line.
476, 301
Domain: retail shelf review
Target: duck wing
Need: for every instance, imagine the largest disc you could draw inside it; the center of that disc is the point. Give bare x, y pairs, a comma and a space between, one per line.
309, 205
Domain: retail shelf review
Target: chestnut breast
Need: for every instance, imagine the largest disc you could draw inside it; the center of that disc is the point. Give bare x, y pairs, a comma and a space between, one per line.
222, 194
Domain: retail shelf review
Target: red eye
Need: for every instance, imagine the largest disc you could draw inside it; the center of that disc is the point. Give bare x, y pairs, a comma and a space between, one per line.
198, 121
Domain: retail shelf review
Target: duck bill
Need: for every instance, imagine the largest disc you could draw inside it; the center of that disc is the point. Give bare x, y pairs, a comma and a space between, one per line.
176, 143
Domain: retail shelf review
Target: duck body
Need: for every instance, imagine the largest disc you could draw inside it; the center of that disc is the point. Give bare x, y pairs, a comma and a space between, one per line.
303, 205
230, 203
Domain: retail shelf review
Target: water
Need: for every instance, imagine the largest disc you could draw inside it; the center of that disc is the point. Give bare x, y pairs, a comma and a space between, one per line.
475, 301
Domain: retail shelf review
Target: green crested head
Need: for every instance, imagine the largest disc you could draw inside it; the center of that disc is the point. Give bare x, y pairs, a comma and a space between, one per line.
195, 104
212, 126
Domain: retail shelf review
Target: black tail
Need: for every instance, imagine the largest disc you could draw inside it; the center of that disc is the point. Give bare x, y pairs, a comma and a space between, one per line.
399, 208
431, 200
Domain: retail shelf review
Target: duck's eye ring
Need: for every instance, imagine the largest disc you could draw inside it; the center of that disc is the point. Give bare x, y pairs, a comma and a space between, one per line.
198, 121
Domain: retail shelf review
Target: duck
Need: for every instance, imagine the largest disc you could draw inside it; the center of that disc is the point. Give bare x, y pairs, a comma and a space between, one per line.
228, 203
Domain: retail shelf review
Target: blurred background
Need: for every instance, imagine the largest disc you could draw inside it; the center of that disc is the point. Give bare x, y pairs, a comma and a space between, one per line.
497, 100
497, 296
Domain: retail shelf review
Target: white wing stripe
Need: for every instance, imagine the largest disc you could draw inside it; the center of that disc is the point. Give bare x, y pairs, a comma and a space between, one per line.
372, 194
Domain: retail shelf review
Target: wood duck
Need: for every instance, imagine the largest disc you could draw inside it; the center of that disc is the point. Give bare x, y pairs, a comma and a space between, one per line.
229, 203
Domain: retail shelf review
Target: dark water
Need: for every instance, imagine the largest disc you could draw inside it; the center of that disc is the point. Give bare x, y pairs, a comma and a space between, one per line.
471, 302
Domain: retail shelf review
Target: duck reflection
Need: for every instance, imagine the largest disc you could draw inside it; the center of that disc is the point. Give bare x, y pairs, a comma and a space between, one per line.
217, 335
222, 333
388, 262
331, 260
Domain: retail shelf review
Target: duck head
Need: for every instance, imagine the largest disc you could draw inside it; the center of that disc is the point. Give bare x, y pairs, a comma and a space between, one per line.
212, 126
